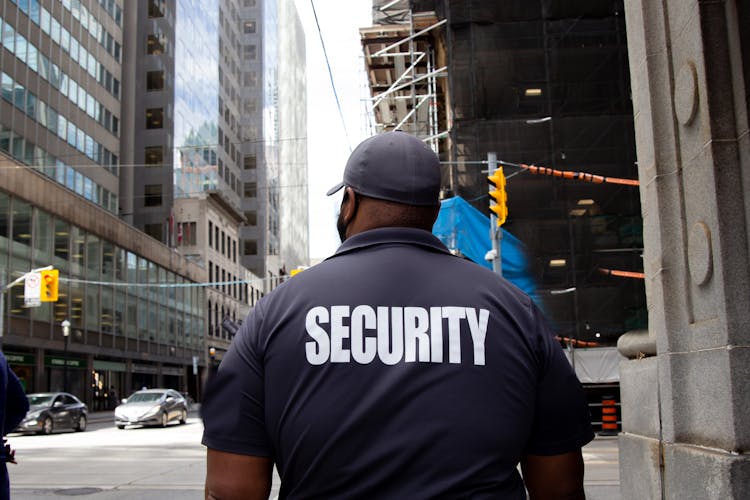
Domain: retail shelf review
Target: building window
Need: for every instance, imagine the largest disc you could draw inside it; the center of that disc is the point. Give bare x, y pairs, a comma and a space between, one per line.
252, 218
154, 156
250, 162
186, 233
249, 3
251, 247
154, 80
248, 26
155, 118
155, 8
210, 234
249, 52
251, 189
156, 45
153, 230
152, 195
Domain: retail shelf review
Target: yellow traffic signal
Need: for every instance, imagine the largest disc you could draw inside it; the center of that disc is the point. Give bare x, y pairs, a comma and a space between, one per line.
49, 285
499, 207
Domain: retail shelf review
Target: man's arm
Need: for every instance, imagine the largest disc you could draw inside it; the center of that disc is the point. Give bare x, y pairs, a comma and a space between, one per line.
554, 477
230, 476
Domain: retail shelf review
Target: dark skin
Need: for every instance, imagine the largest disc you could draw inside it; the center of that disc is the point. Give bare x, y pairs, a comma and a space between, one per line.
230, 476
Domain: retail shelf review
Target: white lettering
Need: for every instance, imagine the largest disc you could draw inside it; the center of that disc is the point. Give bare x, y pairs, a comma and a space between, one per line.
478, 331
364, 349
454, 315
390, 340
416, 326
436, 334
394, 334
339, 332
317, 352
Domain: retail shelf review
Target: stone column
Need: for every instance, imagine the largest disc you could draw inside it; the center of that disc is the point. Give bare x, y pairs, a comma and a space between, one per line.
686, 410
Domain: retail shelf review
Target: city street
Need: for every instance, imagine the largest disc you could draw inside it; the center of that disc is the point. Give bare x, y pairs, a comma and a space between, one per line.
150, 463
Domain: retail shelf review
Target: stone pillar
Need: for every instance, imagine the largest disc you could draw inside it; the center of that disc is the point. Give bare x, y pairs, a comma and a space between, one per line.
686, 424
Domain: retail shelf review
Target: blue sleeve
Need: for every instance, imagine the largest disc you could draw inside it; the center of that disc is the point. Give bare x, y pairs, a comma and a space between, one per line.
16, 404
562, 422
233, 407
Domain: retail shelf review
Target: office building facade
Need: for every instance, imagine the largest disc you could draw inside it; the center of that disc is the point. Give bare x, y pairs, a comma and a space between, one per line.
135, 312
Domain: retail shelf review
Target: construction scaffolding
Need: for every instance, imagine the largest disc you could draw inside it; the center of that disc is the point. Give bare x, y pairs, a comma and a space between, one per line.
405, 68
541, 83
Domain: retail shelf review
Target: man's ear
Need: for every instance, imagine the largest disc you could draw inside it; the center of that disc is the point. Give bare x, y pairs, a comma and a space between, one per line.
349, 205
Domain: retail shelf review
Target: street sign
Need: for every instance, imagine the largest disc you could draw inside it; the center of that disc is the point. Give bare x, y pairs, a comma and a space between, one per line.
32, 290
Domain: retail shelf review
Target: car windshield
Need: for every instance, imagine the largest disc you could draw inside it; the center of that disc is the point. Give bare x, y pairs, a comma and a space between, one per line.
40, 399
145, 397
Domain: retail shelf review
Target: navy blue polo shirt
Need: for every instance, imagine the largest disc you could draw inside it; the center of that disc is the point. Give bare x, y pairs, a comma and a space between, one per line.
395, 370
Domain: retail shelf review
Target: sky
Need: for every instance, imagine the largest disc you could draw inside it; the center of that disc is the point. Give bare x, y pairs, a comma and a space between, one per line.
329, 142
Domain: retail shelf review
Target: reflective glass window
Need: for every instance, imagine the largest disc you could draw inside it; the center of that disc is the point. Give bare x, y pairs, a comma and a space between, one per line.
46, 21
154, 118
154, 156
55, 31
6, 87
154, 80
21, 47
19, 96
155, 8
32, 57
9, 37
156, 44
5, 134
34, 10
152, 195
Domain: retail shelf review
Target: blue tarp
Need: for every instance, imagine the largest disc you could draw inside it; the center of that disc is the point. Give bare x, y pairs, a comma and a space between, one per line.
462, 227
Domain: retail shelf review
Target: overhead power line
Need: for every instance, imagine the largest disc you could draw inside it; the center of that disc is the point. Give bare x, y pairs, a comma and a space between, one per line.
330, 75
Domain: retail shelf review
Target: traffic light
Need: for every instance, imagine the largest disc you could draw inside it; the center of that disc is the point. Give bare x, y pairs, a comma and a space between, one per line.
49, 285
497, 193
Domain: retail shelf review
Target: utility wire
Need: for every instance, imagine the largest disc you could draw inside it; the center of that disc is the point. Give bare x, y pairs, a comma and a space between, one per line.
330, 75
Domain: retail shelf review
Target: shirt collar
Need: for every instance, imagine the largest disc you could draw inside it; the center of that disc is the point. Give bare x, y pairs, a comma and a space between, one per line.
390, 235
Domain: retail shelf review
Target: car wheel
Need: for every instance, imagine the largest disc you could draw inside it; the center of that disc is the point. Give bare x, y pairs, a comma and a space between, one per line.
47, 426
183, 417
81, 426
121, 427
164, 419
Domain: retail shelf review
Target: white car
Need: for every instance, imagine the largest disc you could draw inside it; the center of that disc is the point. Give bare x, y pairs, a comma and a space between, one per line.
152, 407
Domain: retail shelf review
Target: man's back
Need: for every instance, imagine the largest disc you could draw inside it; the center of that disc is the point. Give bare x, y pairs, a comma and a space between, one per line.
395, 370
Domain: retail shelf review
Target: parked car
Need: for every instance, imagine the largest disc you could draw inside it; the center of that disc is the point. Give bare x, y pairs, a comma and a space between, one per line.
50, 411
152, 407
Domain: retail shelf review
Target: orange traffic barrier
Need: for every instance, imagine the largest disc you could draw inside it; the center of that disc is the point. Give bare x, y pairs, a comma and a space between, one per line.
609, 415
583, 176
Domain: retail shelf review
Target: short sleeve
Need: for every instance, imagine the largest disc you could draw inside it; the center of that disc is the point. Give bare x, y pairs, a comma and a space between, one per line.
233, 408
562, 422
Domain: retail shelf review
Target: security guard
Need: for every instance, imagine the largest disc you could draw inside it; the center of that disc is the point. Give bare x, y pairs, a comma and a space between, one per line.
393, 369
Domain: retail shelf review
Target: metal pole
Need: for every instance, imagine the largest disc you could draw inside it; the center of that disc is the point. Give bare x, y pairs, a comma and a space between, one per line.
2, 307
496, 233
65, 366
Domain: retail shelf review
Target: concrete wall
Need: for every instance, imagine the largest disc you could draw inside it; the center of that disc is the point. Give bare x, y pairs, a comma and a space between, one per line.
685, 427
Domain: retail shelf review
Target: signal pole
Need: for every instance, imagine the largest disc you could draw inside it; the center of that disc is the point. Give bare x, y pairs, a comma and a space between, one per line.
496, 231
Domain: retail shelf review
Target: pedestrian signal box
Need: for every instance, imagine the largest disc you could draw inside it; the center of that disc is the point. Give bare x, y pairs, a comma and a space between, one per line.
498, 196
49, 285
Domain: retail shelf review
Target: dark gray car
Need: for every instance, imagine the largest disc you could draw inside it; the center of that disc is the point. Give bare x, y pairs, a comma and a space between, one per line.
151, 407
50, 411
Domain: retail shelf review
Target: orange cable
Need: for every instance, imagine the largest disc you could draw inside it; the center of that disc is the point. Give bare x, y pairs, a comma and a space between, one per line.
583, 176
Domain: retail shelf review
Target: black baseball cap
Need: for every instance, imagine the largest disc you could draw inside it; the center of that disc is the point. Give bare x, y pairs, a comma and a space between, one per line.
393, 166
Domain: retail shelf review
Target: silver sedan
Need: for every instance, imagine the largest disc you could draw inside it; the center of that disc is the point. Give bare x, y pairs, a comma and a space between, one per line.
152, 407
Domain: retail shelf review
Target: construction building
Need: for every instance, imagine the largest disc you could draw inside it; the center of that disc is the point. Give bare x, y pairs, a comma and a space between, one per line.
540, 83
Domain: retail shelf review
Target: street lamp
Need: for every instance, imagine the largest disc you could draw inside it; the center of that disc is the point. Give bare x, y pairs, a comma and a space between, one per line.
66, 333
212, 355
